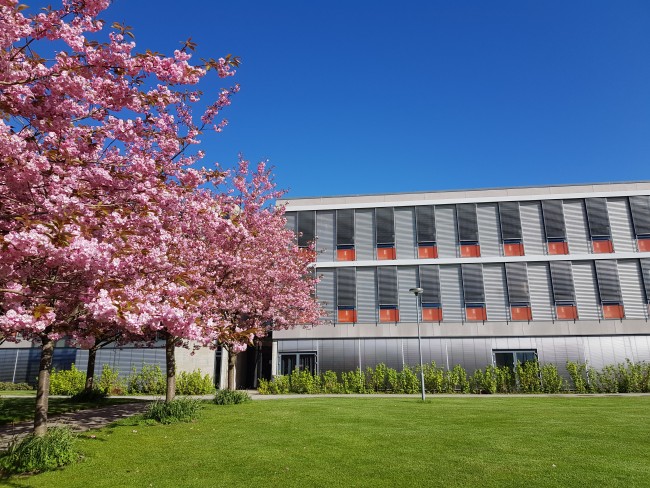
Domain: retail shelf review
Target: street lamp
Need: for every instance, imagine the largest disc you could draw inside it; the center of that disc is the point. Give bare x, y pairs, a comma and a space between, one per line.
418, 292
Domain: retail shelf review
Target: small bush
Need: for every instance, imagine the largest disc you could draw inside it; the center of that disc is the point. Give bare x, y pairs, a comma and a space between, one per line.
552, 382
110, 381
330, 383
150, 380
231, 397
9, 386
529, 377
301, 381
354, 381
433, 378
67, 381
578, 374
194, 383
34, 454
178, 410
93, 395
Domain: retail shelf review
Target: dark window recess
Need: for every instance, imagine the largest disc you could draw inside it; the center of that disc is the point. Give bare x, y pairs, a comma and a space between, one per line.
473, 291
511, 358
640, 206
346, 288
517, 281
430, 284
385, 227
609, 287
562, 282
387, 286
510, 222
645, 272
345, 229
467, 223
306, 227
425, 222
553, 220
291, 221
598, 218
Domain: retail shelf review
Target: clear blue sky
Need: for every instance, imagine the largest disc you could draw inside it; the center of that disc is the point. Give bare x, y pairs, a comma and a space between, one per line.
374, 96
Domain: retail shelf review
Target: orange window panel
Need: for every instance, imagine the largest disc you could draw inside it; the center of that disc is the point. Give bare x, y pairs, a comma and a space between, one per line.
567, 312
432, 314
470, 251
558, 248
427, 252
602, 247
475, 314
347, 316
346, 255
613, 311
388, 315
513, 249
644, 245
384, 253
521, 313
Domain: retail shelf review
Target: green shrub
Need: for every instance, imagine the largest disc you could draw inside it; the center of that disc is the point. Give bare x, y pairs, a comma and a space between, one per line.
150, 380
456, 380
552, 382
67, 381
178, 410
392, 381
578, 374
263, 386
280, 385
330, 382
110, 382
377, 379
9, 386
490, 380
301, 381
505, 379
528, 376
93, 395
409, 380
194, 383
476, 382
354, 381
604, 381
434, 378
231, 397
33, 454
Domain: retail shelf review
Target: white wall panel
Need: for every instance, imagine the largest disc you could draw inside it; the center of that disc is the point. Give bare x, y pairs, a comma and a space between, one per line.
488, 229
406, 279
451, 294
621, 224
575, 217
326, 293
539, 283
405, 241
629, 274
366, 295
364, 234
531, 227
446, 231
496, 299
325, 236
586, 287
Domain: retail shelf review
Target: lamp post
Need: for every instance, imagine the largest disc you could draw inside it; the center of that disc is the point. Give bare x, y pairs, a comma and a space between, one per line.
418, 292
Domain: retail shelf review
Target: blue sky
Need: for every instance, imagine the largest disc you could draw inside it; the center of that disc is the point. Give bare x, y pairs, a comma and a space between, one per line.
370, 97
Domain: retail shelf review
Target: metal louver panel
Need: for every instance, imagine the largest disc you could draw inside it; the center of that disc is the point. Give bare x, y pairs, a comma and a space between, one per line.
473, 291
407, 279
631, 281
645, 271
640, 206
562, 280
553, 219
387, 285
518, 292
429, 281
450, 293
609, 287
365, 234
531, 227
346, 287
510, 221
586, 290
426, 224
488, 229
539, 282
598, 217
467, 222
291, 221
366, 296
496, 301
446, 231
621, 225
306, 227
325, 244
385, 226
325, 293
405, 244
345, 227
576, 226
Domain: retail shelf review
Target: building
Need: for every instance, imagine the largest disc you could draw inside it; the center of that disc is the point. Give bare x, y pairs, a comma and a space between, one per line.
557, 272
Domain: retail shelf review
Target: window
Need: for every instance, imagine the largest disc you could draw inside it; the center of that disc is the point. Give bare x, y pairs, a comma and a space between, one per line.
385, 233
387, 293
304, 361
425, 222
609, 289
511, 232
468, 230
306, 227
473, 292
645, 272
554, 227
518, 293
429, 280
346, 291
640, 207
345, 235
563, 291
511, 358
598, 223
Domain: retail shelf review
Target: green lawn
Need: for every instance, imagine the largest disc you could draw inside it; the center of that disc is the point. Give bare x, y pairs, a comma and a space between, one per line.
377, 442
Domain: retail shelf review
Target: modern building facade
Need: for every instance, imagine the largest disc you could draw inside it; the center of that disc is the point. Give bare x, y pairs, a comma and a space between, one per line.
558, 273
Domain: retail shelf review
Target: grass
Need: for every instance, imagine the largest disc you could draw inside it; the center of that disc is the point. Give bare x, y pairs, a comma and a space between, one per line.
378, 442
17, 393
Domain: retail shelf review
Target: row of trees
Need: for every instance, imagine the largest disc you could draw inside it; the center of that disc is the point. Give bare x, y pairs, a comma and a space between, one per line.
107, 231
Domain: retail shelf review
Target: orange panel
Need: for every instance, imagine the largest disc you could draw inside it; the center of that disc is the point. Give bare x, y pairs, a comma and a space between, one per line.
567, 312
476, 313
385, 253
613, 311
513, 249
346, 255
347, 316
428, 252
521, 313
644, 245
558, 248
388, 315
601, 247
470, 251
431, 314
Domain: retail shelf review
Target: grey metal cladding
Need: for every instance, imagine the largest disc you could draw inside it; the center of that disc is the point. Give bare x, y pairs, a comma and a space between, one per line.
407, 279
517, 278
346, 287
598, 217
645, 271
365, 233
450, 293
562, 281
325, 292
384, 218
510, 219
366, 295
446, 231
629, 273
531, 227
387, 286
306, 227
609, 286
426, 224
541, 296
640, 206
496, 301
430, 283
489, 229
405, 243
620, 221
467, 222
553, 219
586, 290
345, 227
472, 276
291, 219
325, 240
576, 226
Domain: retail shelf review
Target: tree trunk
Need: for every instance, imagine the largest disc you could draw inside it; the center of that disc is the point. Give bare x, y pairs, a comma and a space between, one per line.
171, 367
232, 360
43, 390
90, 370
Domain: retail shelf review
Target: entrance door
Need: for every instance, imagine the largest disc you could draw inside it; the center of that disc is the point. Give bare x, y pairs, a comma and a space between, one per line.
287, 363
305, 361
308, 362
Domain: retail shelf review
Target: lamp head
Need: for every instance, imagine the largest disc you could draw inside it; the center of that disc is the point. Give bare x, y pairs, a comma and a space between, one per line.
416, 291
